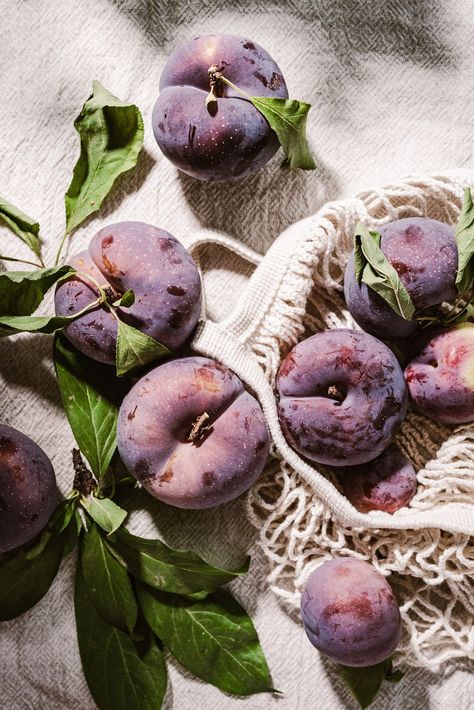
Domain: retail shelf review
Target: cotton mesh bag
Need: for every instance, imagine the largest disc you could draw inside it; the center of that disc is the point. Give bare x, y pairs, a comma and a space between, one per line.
303, 519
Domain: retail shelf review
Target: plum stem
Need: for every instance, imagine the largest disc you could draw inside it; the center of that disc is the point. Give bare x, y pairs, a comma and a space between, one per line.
233, 86
335, 393
215, 75
199, 427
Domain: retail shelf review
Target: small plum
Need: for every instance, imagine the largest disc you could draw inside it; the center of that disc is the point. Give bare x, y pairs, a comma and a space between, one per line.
424, 254
350, 613
191, 434
228, 139
28, 492
342, 397
440, 378
151, 262
387, 483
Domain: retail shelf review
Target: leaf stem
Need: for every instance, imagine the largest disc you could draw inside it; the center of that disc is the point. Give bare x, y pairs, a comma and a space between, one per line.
24, 261
60, 248
235, 87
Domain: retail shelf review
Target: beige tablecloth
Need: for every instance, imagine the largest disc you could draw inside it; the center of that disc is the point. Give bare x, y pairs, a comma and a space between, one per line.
391, 84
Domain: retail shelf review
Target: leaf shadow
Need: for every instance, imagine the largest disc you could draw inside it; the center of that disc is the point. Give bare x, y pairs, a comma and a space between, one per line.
410, 693
126, 184
26, 362
265, 203
222, 535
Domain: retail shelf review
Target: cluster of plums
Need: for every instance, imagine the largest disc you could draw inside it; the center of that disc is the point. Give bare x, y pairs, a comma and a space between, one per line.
342, 397
188, 430
342, 393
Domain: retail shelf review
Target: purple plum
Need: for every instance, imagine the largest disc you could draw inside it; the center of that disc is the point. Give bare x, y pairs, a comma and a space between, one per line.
342, 397
151, 262
191, 434
387, 483
28, 493
440, 378
229, 138
424, 253
350, 613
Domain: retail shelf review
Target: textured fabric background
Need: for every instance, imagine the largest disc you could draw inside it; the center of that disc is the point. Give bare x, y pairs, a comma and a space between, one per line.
391, 84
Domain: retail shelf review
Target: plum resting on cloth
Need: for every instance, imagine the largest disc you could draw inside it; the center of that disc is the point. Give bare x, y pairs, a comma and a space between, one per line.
232, 139
191, 434
350, 613
151, 262
28, 489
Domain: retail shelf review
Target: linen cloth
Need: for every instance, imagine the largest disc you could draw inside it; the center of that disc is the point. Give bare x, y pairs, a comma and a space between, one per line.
390, 85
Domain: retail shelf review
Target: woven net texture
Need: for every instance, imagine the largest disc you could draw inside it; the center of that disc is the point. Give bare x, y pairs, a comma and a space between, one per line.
427, 548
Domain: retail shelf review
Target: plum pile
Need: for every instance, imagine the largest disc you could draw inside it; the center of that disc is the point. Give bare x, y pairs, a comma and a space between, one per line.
28, 492
424, 254
342, 394
188, 431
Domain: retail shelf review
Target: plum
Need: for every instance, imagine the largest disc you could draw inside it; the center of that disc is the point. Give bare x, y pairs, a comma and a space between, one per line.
440, 378
424, 253
28, 493
191, 434
342, 397
387, 483
350, 613
151, 262
229, 138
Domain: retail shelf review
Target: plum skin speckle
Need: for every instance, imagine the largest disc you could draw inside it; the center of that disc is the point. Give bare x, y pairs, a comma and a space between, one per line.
342, 397
27, 488
234, 139
165, 281
350, 613
198, 396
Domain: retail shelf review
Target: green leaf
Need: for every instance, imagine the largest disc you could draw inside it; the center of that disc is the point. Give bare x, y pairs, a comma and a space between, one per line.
58, 522
365, 683
12, 325
125, 301
373, 268
465, 242
91, 397
177, 571
213, 638
111, 134
135, 349
24, 581
108, 583
287, 117
107, 514
22, 225
121, 673
21, 292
